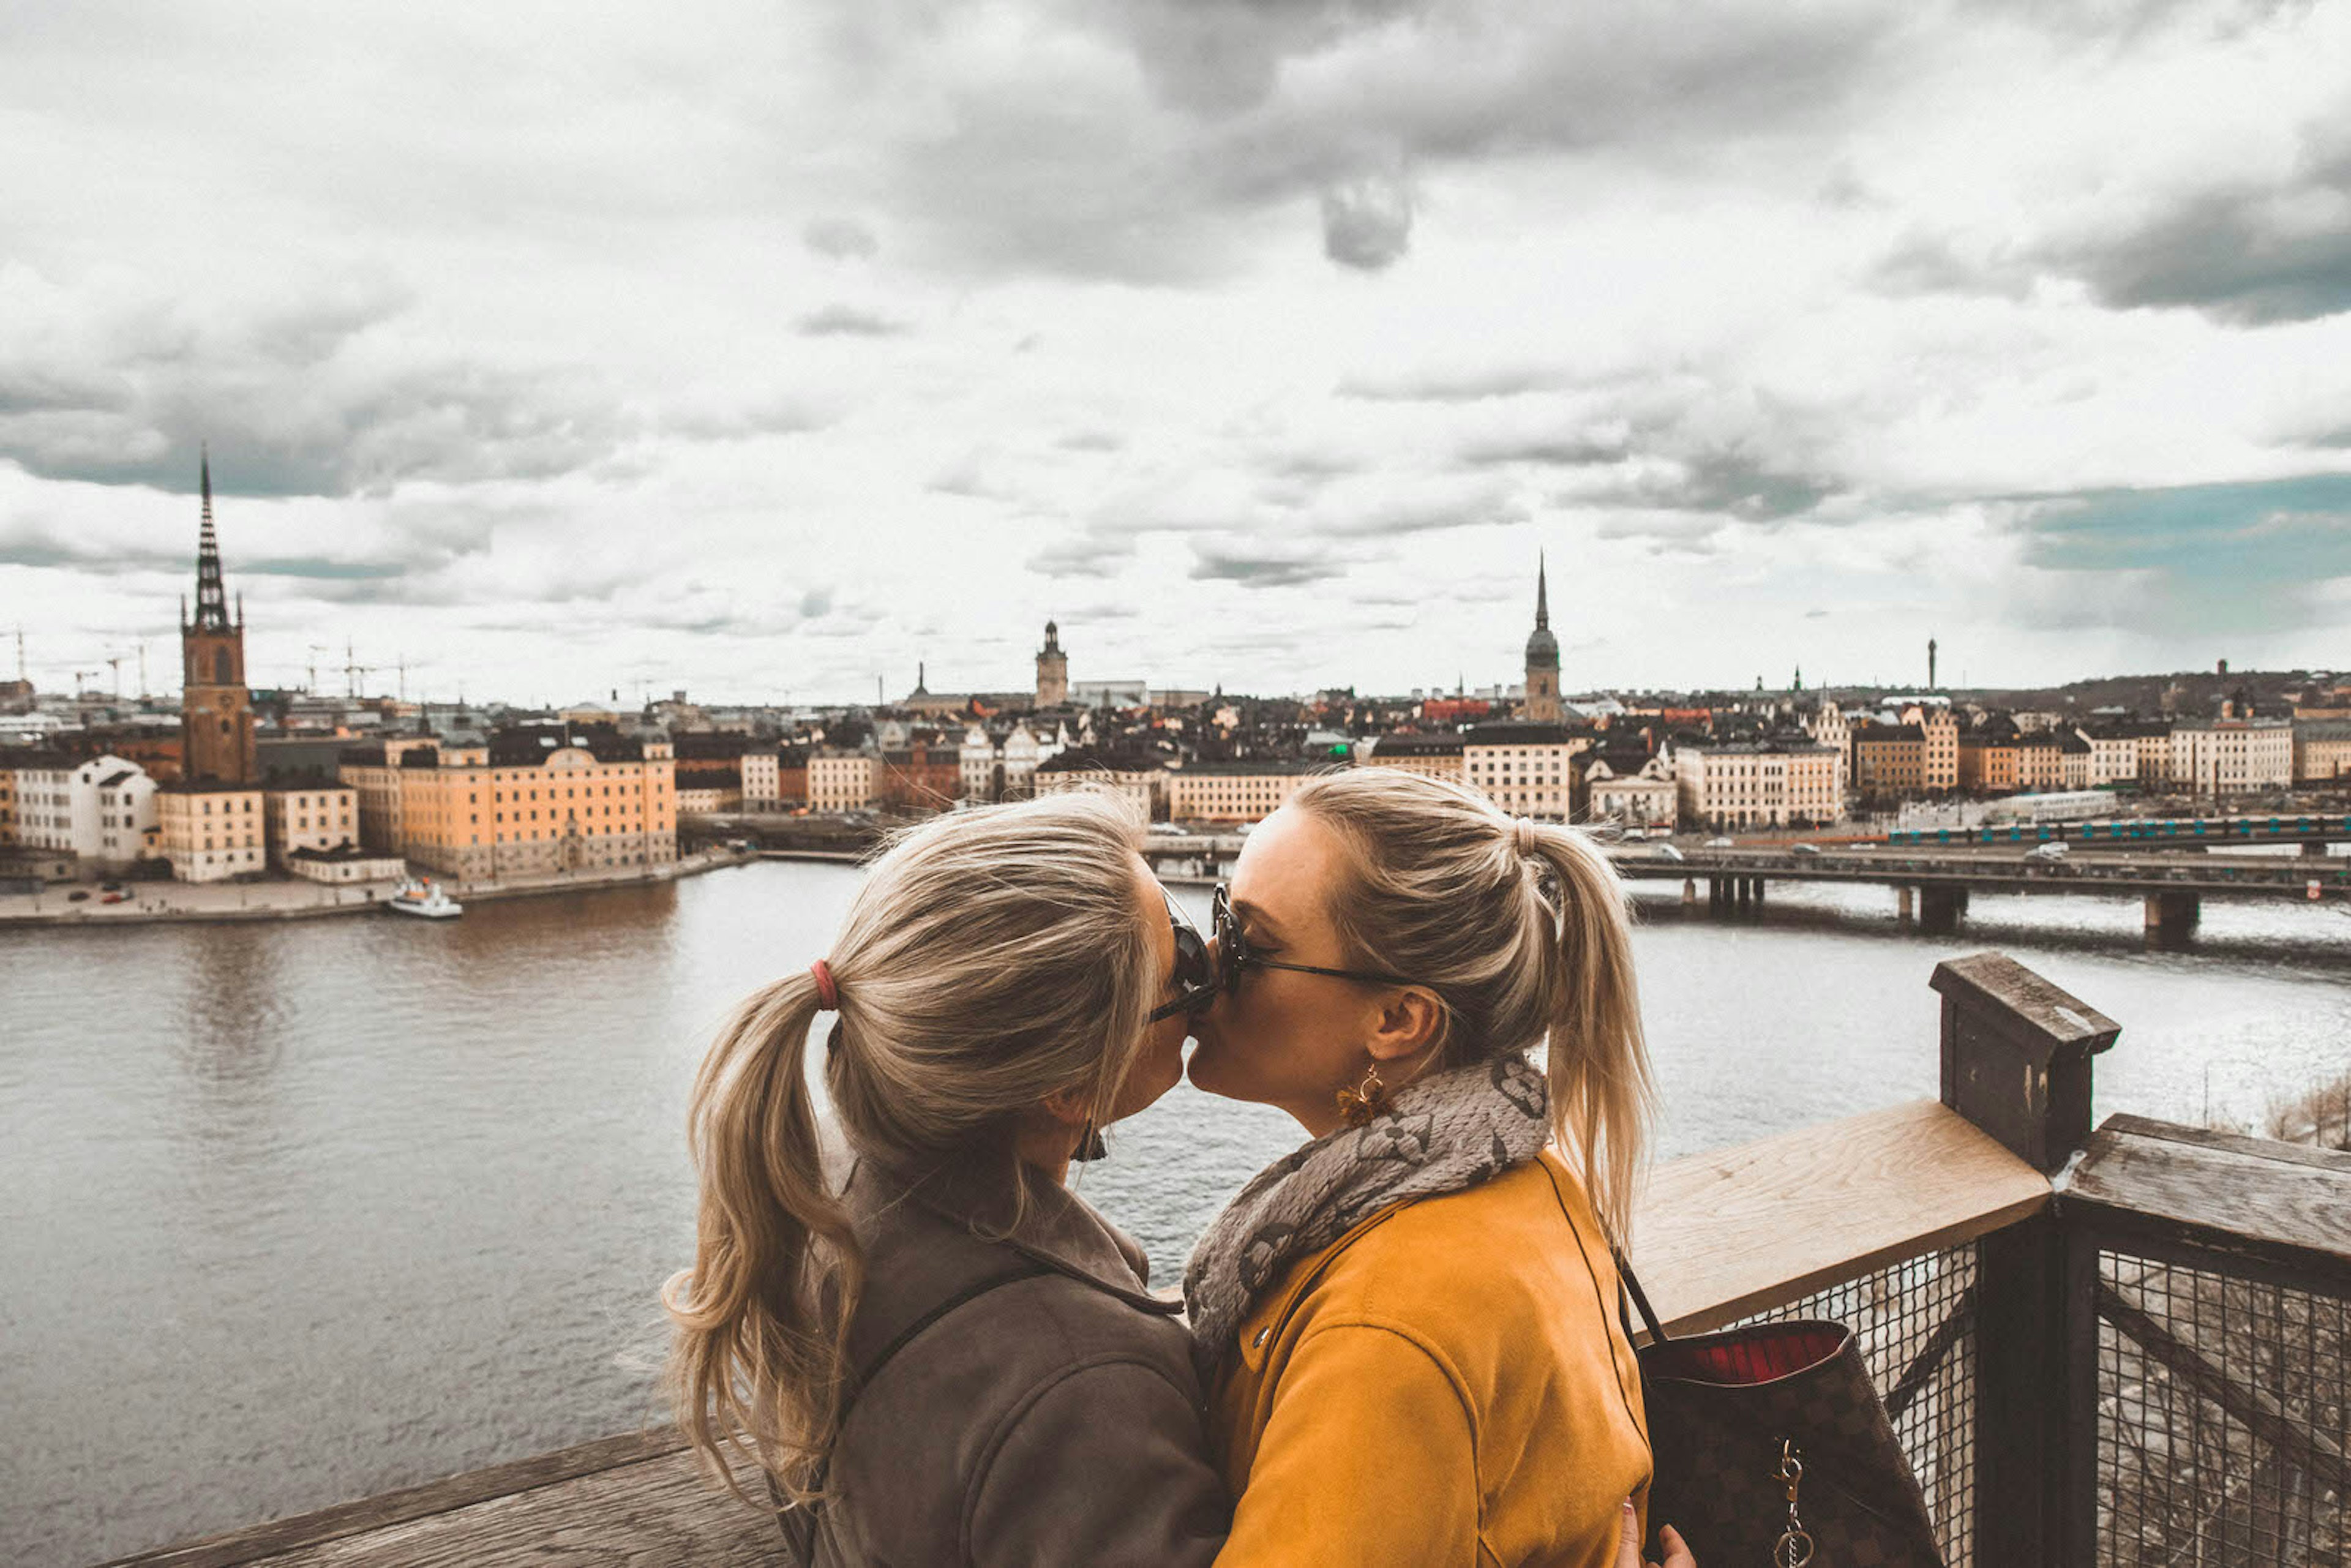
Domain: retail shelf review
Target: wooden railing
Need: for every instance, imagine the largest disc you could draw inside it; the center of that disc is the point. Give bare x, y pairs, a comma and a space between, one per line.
2122, 1348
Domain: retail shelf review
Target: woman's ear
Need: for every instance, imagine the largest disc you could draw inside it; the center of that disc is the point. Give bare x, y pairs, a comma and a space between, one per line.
1407, 1024
1070, 1107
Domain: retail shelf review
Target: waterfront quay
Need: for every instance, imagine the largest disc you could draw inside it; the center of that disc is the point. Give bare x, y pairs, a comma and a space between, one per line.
151, 902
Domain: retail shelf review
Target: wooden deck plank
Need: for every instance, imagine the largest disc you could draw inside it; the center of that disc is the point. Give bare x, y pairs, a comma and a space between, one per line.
2256, 1197
1736, 1231
620, 1500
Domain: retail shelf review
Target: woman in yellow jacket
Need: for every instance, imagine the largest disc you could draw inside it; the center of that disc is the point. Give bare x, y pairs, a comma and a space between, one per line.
1410, 1323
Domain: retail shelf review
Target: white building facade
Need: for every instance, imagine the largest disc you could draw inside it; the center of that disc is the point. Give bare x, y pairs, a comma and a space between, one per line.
102, 810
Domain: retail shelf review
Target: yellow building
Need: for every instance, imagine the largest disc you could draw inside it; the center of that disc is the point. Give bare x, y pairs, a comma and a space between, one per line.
213, 832
1142, 781
533, 801
1234, 791
2233, 755
1891, 759
1758, 784
373, 770
1435, 756
7, 806
2322, 752
843, 780
1527, 769
317, 818
1939, 750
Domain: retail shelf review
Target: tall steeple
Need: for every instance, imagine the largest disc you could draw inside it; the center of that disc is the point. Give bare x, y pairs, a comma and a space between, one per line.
216, 706
211, 598
1542, 705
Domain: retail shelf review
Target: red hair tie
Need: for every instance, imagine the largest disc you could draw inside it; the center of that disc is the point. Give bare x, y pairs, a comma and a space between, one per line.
828, 994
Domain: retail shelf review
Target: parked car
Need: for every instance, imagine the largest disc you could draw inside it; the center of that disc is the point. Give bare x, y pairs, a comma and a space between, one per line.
109, 887
1720, 843
77, 896
1667, 853
2055, 849
117, 896
1806, 850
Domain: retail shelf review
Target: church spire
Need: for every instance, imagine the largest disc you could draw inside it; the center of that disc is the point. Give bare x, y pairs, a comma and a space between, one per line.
1542, 594
212, 599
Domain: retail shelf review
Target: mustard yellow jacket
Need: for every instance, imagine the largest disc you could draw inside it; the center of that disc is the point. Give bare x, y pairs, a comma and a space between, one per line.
1446, 1383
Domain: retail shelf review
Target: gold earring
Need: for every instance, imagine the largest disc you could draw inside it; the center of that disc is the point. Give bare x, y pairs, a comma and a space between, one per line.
1366, 1100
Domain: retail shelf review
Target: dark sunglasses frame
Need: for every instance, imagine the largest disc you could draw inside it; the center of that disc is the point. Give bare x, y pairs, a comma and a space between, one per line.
1234, 955
1196, 980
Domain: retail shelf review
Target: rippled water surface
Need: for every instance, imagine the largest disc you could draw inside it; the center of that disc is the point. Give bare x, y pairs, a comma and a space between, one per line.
297, 1213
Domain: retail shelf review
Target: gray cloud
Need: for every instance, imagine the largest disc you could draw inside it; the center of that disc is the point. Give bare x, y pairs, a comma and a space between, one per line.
841, 238
1261, 566
838, 321
310, 397
1367, 222
2247, 256
2246, 252
1248, 110
1086, 555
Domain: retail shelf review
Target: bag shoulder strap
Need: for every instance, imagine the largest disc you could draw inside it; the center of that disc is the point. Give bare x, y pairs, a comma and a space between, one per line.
1629, 1284
1027, 1269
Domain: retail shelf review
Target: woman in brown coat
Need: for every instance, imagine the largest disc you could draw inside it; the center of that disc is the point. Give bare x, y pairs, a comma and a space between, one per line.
943, 1355
1412, 1320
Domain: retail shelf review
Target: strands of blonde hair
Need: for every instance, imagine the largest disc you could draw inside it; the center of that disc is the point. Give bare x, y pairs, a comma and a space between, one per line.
1523, 932
990, 958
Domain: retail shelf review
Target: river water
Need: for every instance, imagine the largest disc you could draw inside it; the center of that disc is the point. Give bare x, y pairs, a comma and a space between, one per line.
300, 1212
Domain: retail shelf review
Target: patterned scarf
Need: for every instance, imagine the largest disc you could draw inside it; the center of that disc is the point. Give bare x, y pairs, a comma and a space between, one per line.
1440, 1133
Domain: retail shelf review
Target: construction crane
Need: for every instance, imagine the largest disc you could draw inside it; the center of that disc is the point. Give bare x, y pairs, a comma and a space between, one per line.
353, 672
315, 649
81, 679
114, 663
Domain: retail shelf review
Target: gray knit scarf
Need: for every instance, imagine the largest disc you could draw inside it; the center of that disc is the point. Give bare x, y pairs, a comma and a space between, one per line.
1441, 1133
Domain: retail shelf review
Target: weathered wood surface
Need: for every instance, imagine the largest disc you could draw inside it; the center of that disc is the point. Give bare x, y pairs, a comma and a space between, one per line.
2244, 1196
1721, 1235
632, 1499
1737, 1231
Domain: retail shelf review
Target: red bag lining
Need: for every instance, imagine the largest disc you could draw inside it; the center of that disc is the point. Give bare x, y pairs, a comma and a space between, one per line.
1747, 1358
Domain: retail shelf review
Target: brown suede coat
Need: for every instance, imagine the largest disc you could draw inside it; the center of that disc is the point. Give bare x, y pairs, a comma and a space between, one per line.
1040, 1408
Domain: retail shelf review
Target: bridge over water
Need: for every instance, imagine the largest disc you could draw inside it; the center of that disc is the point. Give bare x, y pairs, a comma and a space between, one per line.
2314, 829
1936, 882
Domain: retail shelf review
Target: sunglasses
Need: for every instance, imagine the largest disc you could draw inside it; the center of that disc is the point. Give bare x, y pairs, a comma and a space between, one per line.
1195, 979
1234, 954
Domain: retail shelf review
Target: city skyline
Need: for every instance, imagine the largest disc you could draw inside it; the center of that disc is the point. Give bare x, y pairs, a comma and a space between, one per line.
1262, 346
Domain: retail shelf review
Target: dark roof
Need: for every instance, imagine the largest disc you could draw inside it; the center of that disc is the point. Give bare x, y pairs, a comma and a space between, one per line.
14, 759
1889, 732
368, 756
112, 780
1087, 759
1238, 769
1416, 745
530, 744
1525, 732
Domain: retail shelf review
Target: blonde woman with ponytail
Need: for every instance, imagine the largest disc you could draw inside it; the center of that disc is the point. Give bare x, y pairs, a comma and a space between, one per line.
1411, 1319
934, 1352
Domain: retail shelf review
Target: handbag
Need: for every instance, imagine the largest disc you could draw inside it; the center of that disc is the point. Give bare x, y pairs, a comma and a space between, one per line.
1768, 1445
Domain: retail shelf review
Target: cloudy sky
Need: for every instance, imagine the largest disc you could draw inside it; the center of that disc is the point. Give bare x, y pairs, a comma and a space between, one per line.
764, 349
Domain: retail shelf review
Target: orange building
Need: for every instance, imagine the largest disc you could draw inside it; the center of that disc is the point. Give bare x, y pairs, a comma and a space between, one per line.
533, 801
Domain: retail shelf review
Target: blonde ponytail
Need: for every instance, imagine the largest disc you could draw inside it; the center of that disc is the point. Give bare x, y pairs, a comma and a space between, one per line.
1597, 1057
775, 1264
990, 958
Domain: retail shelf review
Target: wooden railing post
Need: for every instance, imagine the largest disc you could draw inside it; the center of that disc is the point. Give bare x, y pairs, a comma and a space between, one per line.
2016, 1062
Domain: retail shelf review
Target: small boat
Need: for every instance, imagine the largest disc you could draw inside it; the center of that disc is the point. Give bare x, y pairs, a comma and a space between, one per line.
426, 898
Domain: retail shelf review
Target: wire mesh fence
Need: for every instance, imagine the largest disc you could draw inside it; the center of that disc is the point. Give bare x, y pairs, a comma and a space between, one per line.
1915, 1323
2224, 1414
